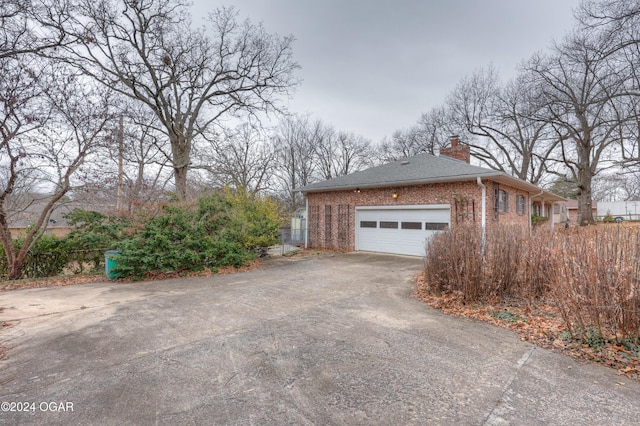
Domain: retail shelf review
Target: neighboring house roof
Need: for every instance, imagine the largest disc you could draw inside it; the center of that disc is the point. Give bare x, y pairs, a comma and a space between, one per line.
30, 215
26, 212
422, 169
573, 204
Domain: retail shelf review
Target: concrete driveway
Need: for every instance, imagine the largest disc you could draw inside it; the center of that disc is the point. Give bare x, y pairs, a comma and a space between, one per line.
332, 339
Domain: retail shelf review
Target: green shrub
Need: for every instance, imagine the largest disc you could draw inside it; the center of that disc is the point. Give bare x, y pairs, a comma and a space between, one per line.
47, 257
168, 242
608, 218
219, 230
92, 234
538, 220
255, 222
93, 230
50, 256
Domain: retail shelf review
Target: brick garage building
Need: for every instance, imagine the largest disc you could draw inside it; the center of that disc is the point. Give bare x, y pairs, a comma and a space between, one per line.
397, 207
571, 208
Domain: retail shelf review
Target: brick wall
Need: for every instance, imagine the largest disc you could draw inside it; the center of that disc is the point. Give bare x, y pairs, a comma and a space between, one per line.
331, 216
573, 215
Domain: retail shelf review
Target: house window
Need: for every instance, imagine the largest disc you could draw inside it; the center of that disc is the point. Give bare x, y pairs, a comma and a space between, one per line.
411, 225
388, 225
368, 224
502, 201
521, 204
536, 209
436, 226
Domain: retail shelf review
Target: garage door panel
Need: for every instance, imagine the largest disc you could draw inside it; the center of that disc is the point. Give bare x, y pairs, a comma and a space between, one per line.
398, 231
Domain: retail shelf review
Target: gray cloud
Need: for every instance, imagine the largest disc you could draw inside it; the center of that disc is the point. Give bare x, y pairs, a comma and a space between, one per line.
372, 67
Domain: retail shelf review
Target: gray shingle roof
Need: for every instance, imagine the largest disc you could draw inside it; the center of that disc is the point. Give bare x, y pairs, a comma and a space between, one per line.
25, 210
420, 169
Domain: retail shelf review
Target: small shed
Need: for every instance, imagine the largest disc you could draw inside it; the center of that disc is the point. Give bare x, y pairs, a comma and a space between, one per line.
299, 225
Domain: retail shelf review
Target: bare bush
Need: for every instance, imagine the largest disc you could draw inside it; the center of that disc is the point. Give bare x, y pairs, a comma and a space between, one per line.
454, 262
503, 254
590, 274
536, 273
597, 282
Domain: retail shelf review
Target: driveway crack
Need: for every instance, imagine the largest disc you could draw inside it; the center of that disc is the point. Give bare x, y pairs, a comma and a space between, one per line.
493, 417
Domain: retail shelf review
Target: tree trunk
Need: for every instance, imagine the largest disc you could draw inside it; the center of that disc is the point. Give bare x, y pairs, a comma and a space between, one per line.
120, 164
181, 150
180, 175
15, 269
585, 212
7, 244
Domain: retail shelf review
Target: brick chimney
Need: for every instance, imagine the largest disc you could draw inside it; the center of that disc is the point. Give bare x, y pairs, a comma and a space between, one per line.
458, 151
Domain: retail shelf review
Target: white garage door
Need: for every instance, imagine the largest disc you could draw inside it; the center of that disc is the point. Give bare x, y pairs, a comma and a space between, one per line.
399, 230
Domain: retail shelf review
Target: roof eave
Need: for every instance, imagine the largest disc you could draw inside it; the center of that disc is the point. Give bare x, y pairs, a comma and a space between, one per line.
459, 178
498, 176
529, 187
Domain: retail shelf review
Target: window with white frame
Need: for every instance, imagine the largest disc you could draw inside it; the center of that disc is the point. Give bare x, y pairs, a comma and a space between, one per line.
502, 201
521, 204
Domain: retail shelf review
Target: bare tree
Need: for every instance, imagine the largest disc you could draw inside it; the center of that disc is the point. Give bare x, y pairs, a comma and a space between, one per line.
296, 165
322, 140
338, 153
50, 123
137, 172
581, 89
617, 24
353, 153
616, 21
190, 79
436, 128
22, 114
243, 159
24, 31
615, 187
630, 186
507, 134
428, 135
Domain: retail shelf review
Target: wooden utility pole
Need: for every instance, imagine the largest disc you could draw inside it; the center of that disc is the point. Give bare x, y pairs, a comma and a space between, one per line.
120, 167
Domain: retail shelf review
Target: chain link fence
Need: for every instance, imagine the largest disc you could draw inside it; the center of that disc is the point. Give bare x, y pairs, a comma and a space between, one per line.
39, 265
292, 239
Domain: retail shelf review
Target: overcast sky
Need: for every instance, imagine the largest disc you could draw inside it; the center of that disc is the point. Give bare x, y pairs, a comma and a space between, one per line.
373, 66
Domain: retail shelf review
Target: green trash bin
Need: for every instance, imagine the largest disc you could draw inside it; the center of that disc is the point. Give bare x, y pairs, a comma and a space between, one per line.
110, 262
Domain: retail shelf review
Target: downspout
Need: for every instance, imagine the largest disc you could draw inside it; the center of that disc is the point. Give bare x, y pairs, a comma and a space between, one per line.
483, 220
306, 222
531, 209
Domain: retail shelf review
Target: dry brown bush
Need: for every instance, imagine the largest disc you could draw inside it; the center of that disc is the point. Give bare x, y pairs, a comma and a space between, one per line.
454, 263
597, 282
591, 274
